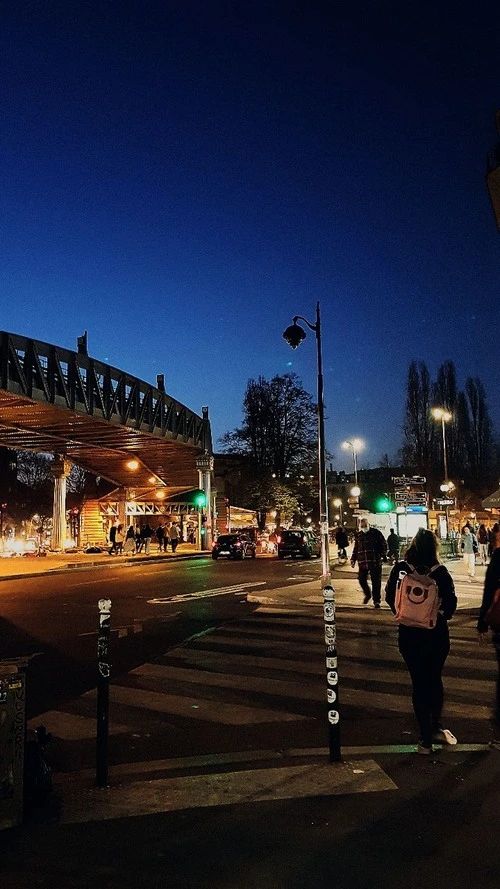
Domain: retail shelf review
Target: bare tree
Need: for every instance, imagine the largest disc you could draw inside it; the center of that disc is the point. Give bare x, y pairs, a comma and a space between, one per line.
418, 428
279, 430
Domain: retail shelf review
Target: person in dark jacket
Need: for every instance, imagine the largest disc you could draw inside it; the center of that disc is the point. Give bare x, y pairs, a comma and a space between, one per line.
491, 583
369, 550
425, 651
342, 541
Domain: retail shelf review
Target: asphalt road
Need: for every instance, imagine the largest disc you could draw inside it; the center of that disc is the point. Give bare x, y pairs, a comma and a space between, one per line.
155, 606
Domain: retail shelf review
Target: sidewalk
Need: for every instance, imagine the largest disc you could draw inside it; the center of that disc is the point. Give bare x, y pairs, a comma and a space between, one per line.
349, 594
13, 567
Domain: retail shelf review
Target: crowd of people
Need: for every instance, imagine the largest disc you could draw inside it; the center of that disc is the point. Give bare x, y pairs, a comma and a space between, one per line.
139, 539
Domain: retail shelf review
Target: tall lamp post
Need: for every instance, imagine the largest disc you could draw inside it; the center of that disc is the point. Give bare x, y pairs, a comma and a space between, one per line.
355, 445
294, 336
439, 413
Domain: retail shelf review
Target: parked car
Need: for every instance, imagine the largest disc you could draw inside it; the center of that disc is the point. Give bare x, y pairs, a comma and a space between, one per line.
233, 546
298, 542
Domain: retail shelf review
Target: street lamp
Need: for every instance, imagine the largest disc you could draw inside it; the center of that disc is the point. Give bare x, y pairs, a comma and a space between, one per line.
294, 336
444, 416
440, 413
338, 505
355, 444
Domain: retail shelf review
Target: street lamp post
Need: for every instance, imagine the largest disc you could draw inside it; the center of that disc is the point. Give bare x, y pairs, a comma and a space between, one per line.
355, 445
444, 416
294, 336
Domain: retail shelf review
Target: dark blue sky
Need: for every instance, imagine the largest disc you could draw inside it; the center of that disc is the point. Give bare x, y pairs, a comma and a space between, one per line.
181, 178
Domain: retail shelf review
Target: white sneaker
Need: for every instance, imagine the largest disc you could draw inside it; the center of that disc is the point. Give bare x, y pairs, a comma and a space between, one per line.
444, 736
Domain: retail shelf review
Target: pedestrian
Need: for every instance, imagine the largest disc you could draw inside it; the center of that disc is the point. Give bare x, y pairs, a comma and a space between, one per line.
112, 539
146, 535
494, 538
424, 651
160, 535
483, 542
491, 584
342, 541
174, 534
139, 542
119, 538
369, 550
129, 545
393, 545
166, 536
469, 549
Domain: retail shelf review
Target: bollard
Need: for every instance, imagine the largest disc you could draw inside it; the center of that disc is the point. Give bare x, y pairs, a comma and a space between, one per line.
103, 671
332, 676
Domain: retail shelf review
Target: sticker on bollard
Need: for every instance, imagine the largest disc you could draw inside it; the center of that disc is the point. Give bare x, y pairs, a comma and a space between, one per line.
332, 676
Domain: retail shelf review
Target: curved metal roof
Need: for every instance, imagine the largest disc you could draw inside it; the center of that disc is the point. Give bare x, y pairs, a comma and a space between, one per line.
57, 401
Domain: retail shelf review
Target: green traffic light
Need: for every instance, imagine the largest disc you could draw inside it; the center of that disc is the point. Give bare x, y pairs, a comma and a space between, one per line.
200, 499
383, 504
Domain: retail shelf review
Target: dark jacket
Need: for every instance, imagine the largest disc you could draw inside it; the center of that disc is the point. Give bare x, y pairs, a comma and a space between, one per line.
446, 589
341, 538
491, 583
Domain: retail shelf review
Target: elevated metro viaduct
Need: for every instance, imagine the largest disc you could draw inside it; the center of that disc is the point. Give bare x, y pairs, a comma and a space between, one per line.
83, 411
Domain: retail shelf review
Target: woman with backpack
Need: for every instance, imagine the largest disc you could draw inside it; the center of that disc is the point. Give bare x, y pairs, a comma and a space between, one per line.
424, 643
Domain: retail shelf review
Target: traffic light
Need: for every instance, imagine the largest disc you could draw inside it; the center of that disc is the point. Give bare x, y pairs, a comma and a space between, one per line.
383, 504
200, 499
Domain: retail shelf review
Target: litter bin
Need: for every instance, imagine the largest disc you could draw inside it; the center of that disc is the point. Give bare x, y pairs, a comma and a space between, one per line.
12, 739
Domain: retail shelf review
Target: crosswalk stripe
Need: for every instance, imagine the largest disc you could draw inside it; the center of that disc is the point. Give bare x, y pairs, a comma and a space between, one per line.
195, 708
268, 669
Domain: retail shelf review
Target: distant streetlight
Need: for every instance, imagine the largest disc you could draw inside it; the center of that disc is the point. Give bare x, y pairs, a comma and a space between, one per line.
355, 445
444, 416
338, 505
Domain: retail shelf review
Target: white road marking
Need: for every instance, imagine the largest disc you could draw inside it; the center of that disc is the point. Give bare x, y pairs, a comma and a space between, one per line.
201, 594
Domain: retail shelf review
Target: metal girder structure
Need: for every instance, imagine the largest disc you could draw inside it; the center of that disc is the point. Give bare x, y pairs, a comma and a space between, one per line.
57, 401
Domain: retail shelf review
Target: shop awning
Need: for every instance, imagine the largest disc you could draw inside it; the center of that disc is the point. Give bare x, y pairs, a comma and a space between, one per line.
493, 501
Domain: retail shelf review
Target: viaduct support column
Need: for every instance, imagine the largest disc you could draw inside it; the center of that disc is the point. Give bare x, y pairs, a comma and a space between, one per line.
205, 467
60, 470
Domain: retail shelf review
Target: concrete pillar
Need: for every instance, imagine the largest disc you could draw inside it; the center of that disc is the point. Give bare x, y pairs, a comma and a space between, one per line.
205, 467
60, 470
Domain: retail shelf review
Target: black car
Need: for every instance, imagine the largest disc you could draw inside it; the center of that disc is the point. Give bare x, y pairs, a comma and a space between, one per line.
233, 546
298, 542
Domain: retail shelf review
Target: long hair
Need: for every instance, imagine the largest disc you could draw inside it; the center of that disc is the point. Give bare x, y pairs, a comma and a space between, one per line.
424, 549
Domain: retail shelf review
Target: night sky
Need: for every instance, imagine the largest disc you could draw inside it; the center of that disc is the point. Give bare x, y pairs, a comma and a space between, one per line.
181, 178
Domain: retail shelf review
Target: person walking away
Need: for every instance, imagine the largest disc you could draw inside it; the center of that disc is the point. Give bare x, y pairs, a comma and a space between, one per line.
174, 533
423, 650
393, 545
491, 584
494, 538
112, 539
483, 542
369, 550
160, 536
166, 536
469, 548
129, 546
146, 535
139, 543
119, 538
342, 541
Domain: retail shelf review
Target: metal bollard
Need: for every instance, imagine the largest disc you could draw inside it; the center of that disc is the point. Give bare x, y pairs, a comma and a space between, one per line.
103, 672
332, 676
